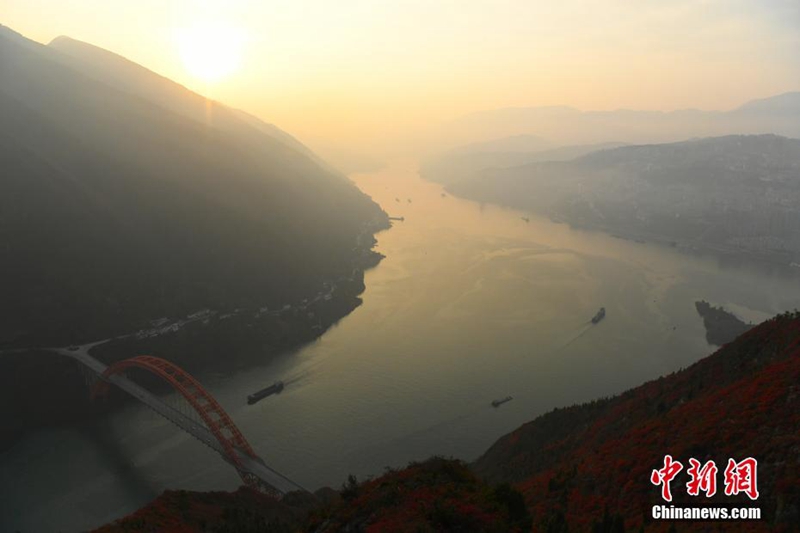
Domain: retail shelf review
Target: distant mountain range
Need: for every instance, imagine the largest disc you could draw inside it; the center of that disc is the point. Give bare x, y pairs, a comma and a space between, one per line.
568, 126
125, 197
517, 136
471, 160
738, 194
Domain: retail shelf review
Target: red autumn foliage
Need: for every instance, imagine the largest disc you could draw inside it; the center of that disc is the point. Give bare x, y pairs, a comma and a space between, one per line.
578, 464
242, 511
436, 495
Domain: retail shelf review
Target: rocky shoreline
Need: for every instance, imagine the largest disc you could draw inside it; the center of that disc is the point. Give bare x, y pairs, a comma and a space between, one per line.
721, 326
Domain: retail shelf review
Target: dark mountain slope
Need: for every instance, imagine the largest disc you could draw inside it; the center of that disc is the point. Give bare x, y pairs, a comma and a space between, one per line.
117, 210
741, 401
243, 511
127, 76
436, 495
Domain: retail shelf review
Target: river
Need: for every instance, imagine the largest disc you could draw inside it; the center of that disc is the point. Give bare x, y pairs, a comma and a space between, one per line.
472, 303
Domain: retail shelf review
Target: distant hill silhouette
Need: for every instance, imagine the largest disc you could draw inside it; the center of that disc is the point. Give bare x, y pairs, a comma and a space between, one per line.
735, 193
471, 160
782, 104
778, 114
125, 197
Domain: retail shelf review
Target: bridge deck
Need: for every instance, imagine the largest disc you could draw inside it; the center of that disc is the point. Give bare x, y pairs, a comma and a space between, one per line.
269, 476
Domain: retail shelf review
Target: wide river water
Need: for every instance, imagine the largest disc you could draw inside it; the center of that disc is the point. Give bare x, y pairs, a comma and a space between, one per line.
471, 304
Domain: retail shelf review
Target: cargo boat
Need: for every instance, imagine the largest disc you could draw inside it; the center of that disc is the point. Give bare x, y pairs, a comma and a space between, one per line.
275, 388
498, 403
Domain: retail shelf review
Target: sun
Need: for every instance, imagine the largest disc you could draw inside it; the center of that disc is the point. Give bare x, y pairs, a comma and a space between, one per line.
211, 52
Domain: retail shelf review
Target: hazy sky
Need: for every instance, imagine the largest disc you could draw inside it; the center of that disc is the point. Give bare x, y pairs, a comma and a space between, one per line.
366, 71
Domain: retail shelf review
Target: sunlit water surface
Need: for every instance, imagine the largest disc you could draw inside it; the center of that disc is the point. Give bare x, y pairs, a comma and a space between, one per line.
472, 303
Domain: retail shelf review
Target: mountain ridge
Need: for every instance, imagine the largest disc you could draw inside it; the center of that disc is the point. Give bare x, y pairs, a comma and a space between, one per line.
156, 175
779, 114
732, 195
123, 74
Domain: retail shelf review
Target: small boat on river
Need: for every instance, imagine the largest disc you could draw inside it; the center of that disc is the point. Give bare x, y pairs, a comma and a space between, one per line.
498, 403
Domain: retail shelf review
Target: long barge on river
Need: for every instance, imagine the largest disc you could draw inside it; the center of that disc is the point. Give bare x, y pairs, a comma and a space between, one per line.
275, 388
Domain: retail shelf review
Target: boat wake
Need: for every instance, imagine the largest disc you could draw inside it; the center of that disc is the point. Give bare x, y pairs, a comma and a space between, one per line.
585, 327
583, 330
303, 373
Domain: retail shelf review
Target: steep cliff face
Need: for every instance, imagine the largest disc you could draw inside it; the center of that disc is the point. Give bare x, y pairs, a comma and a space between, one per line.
743, 401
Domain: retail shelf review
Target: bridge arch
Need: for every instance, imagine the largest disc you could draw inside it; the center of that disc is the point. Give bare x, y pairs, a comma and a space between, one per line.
210, 411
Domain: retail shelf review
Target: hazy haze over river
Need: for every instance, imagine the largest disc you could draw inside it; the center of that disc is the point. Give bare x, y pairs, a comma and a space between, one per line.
471, 304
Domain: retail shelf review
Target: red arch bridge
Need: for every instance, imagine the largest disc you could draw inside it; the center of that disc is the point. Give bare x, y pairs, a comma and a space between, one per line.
213, 427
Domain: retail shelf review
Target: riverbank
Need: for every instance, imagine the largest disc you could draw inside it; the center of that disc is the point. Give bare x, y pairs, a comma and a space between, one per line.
726, 254
40, 388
